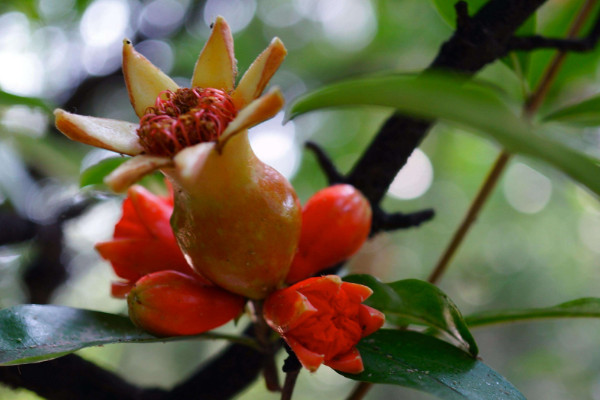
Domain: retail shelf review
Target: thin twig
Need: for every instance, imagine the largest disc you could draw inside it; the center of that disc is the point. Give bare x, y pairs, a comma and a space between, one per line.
531, 106
291, 367
360, 391
470, 217
289, 384
535, 101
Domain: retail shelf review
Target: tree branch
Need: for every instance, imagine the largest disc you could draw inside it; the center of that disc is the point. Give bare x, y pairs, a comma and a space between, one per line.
480, 40
535, 42
69, 377
327, 166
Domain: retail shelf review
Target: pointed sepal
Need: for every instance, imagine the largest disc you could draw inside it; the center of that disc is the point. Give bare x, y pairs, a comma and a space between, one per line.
259, 73
133, 170
110, 134
144, 80
216, 65
259, 110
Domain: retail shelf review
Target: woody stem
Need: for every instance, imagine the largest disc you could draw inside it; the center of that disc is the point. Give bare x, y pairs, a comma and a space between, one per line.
263, 334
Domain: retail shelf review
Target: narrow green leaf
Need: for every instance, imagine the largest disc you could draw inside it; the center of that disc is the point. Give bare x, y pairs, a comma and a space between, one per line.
9, 99
585, 113
95, 174
588, 307
412, 301
32, 333
473, 106
422, 362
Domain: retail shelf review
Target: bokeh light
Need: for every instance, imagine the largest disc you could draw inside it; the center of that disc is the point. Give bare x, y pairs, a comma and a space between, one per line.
414, 179
527, 190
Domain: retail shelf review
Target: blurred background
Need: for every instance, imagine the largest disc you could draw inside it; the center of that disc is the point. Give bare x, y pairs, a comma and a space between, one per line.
536, 244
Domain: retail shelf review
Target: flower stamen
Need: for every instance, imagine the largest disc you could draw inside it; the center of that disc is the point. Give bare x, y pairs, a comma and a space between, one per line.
184, 118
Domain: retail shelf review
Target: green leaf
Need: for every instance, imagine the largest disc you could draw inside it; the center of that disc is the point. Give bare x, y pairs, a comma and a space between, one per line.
412, 301
32, 333
585, 113
473, 106
422, 362
95, 174
588, 307
9, 99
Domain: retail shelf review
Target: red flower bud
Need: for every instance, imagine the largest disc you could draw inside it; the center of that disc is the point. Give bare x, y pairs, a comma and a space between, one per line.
169, 303
336, 221
143, 240
322, 319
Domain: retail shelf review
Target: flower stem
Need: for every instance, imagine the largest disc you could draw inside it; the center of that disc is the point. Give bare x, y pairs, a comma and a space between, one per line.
292, 367
360, 391
289, 384
263, 334
531, 106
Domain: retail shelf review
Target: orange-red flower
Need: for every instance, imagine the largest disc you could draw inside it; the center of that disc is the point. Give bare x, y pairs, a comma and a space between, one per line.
322, 319
143, 241
336, 221
169, 303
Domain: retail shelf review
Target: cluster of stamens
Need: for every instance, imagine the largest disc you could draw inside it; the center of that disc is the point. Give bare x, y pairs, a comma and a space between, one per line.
184, 118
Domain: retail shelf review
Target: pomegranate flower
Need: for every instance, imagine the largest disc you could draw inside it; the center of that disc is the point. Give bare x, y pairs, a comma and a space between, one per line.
322, 319
143, 241
173, 119
236, 219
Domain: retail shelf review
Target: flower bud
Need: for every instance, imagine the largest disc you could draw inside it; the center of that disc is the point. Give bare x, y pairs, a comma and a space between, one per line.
322, 319
169, 303
336, 221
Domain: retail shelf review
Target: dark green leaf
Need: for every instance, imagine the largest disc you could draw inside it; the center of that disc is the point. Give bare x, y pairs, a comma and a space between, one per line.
8, 99
412, 301
581, 308
474, 106
95, 174
422, 362
585, 113
33, 333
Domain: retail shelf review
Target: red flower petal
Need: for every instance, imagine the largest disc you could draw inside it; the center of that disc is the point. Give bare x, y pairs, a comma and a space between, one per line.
153, 211
133, 258
309, 359
336, 221
356, 292
350, 362
370, 319
120, 290
285, 309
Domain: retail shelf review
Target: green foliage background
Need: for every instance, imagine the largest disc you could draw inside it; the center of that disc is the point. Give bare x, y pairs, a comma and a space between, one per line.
511, 259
